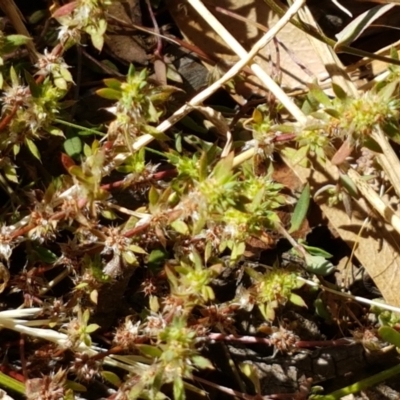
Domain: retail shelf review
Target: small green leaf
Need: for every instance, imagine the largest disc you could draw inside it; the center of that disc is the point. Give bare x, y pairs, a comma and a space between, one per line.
111, 377
97, 40
297, 300
180, 227
251, 372
316, 251
109, 214
202, 362
321, 310
129, 257
358, 25
339, 92
73, 146
153, 196
390, 335
137, 249
318, 265
32, 148
150, 351
349, 185
10, 173
45, 255
300, 210
33, 86
179, 390
156, 258
108, 93
60, 83
113, 83
92, 328
320, 95
223, 169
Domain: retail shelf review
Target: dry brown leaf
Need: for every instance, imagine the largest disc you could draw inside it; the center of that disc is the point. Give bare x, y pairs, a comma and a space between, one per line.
377, 248
299, 65
124, 46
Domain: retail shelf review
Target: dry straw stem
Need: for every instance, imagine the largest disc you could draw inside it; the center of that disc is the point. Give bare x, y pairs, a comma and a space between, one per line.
268, 82
350, 296
231, 73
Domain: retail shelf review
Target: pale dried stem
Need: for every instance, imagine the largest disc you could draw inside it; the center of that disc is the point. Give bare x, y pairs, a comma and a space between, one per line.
363, 300
266, 80
245, 59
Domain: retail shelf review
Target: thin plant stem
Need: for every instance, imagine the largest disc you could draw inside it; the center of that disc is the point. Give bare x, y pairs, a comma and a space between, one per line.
361, 385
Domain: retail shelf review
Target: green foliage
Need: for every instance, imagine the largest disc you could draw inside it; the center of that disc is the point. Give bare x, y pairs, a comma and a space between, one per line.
79, 330
166, 223
274, 288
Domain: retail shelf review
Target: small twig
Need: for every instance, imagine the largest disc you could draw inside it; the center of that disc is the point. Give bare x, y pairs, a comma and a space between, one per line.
350, 296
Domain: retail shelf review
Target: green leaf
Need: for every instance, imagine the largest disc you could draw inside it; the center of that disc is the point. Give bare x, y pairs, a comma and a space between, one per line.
316, 251
129, 257
150, 351
179, 391
45, 255
108, 93
137, 249
60, 83
10, 173
300, 210
339, 92
111, 377
153, 196
156, 258
180, 227
318, 265
358, 25
73, 146
12, 42
391, 128
223, 169
92, 328
191, 124
349, 185
14, 77
113, 83
297, 300
109, 214
202, 362
320, 95
32, 148
33, 86
97, 40
321, 310
238, 250
388, 334
251, 372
